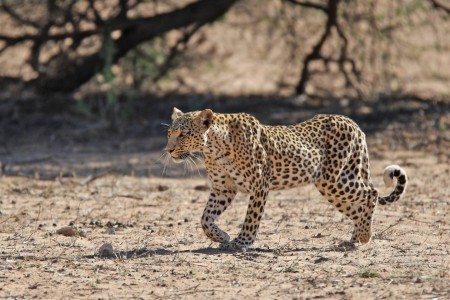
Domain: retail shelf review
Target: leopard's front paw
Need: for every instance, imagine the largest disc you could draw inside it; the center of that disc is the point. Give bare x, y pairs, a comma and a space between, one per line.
217, 235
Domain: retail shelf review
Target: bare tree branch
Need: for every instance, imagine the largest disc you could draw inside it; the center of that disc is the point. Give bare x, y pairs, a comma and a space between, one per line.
438, 5
315, 54
344, 58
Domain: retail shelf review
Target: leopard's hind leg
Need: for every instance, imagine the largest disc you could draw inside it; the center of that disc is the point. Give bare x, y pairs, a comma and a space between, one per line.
345, 179
363, 219
357, 197
358, 205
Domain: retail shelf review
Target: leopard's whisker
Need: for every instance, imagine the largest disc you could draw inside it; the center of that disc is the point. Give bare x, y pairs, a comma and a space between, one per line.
164, 153
188, 161
186, 168
166, 161
195, 157
195, 164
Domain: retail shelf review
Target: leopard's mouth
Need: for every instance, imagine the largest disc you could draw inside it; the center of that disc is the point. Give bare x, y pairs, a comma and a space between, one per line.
180, 158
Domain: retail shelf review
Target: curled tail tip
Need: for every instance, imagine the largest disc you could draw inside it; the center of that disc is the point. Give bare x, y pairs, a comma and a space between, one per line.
390, 172
399, 174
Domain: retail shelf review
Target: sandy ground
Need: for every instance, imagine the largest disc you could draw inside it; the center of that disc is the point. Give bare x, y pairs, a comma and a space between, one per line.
160, 250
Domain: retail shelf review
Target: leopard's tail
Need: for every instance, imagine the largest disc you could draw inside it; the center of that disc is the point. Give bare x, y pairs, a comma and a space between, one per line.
390, 173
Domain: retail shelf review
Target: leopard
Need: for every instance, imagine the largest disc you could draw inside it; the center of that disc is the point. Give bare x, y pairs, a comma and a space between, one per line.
242, 155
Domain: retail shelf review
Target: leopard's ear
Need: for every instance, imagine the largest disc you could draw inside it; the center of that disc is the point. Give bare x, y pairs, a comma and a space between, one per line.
176, 114
206, 116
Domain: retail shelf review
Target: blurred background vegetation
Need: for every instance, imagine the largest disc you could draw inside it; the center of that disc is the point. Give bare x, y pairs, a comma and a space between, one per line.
122, 62
334, 47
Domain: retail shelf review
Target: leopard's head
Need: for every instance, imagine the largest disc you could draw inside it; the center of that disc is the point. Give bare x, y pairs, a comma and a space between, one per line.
186, 135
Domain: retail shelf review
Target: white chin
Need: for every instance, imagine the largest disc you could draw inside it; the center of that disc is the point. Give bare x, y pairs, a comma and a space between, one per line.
177, 160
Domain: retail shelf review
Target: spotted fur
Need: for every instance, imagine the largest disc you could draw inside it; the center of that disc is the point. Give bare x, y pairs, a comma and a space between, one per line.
242, 155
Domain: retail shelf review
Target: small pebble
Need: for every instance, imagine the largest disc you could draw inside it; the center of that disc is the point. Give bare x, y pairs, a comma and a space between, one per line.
67, 231
162, 188
106, 250
71, 231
